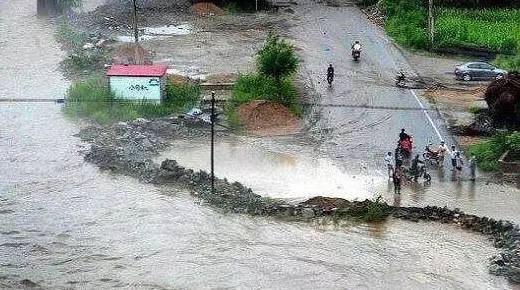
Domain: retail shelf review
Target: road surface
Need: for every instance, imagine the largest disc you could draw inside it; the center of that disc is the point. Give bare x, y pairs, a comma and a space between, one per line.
360, 117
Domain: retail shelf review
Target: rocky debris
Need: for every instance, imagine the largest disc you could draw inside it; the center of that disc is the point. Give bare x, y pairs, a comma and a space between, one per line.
482, 125
375, 15
127, 147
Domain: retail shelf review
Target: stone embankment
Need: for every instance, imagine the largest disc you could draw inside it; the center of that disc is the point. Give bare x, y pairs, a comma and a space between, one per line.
128, 148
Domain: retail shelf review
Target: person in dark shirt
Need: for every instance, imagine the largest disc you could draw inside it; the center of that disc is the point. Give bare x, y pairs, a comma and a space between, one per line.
403, 135
330, 73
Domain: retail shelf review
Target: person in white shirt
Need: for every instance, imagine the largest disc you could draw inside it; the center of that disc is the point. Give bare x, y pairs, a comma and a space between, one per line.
389, 162
443, 150
356, 46
454, 155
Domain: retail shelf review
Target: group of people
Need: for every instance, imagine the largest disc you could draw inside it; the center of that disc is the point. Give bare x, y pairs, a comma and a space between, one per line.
396, 171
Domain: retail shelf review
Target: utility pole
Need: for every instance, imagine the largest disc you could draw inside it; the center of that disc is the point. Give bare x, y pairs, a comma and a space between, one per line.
430, 22
136, 32
212, 118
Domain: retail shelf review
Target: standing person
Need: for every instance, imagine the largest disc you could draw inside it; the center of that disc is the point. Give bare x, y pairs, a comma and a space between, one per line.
443, 150
472, 168
389, 164
459, 161
398, 156
453, 156
396, 177
330, 74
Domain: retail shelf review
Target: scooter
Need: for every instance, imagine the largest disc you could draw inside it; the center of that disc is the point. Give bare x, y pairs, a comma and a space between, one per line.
400, 80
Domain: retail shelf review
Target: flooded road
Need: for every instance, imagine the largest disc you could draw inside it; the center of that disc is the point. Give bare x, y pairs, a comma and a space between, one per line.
281, 169
64, 224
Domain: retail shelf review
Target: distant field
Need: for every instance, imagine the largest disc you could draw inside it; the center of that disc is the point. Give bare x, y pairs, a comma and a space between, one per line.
495, 29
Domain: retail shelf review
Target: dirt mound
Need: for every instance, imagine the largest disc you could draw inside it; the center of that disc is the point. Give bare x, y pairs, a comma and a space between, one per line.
268, 118
130, 53
206, 8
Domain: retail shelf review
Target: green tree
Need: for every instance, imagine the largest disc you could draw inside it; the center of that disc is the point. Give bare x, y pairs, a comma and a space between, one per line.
277, 58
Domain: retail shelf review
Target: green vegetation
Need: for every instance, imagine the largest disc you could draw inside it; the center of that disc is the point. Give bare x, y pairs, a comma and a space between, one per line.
488, 152
260, 87
276, 63
277, 58
494, 29
369, 211
79, 59
508, 62
92, 99
70, 38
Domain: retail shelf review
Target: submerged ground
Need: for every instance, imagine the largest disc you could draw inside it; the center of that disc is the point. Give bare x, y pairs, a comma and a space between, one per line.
65, 224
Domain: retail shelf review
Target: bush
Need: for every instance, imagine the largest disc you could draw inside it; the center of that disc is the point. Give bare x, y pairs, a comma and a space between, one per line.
513, 142
408, 29
182, 96
407, 22
488, 152
92, 99
510, 63
277, 58
70, 38
256, 86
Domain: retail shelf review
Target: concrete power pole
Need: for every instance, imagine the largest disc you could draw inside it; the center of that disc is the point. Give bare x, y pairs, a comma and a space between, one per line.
430, 22
136, 31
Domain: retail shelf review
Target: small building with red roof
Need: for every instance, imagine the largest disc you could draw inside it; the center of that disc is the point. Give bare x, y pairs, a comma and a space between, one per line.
137, 82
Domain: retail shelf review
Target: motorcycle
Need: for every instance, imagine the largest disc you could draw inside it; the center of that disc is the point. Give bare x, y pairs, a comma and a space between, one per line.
356, 54
431, 157
400, 80
422, 172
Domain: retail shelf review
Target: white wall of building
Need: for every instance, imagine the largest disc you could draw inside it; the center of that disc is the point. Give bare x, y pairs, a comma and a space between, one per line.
137, 88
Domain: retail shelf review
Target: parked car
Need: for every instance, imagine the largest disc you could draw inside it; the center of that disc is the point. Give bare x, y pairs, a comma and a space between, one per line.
478, 71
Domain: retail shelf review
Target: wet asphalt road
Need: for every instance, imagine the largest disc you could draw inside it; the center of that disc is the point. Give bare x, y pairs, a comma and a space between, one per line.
359, 118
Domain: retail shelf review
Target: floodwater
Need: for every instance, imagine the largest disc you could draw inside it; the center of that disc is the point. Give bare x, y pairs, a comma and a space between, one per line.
66, 225
282, 170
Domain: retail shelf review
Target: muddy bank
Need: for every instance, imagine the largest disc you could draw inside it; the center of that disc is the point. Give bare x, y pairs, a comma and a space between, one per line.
127, 148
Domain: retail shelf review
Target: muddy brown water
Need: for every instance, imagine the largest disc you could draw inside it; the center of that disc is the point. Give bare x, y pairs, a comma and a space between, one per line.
66, 225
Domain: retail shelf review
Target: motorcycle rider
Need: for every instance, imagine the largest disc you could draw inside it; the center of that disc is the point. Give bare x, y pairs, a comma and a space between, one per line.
356, 50
400, 78
330, 74
356, 46
414, 168
403, 135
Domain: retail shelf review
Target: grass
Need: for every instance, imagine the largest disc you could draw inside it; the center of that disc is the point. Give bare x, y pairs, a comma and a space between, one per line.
251, 87
370, 211
488, 152
508, 62
93, 100
495, 29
